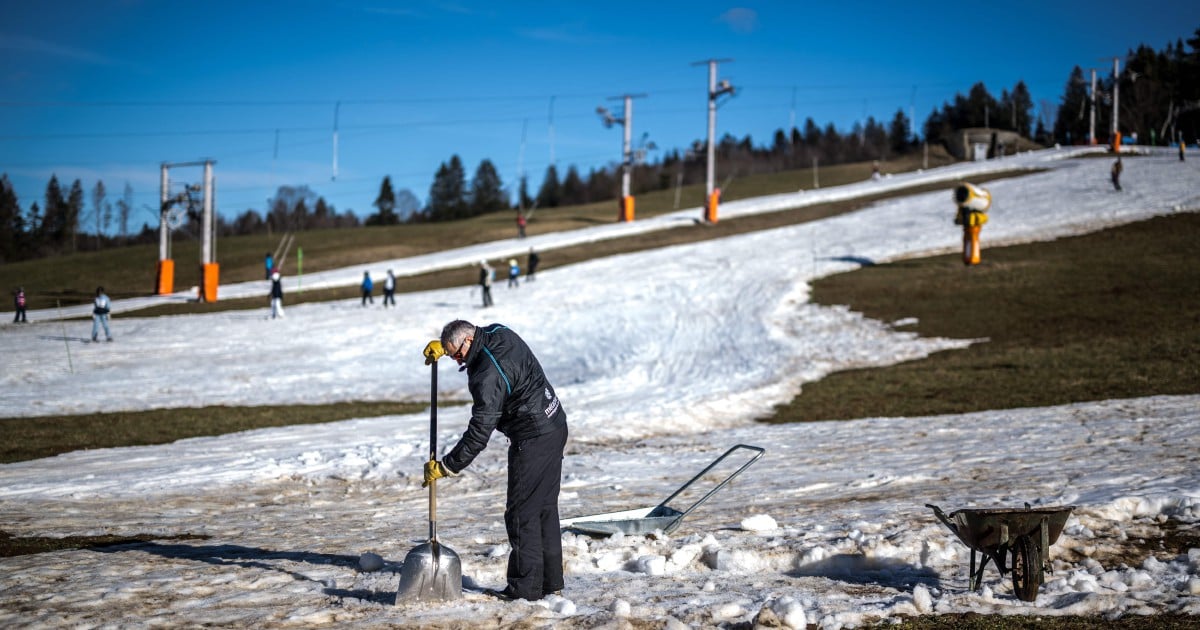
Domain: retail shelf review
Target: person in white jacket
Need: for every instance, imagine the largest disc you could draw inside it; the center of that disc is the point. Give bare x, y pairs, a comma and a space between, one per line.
100, 308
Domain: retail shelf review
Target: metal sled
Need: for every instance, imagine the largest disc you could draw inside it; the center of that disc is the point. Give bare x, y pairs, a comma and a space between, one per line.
659, 517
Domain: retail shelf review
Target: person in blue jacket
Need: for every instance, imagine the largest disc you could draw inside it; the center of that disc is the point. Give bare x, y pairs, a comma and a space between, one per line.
367, 287
514, 272
511, 393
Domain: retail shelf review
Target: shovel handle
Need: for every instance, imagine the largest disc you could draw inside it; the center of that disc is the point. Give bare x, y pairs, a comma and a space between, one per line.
433, 412
433, 450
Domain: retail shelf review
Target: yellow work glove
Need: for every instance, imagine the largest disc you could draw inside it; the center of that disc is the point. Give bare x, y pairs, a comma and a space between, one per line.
435, 470
433, 352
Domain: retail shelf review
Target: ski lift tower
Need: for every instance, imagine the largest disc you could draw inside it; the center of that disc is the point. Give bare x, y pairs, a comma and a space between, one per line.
627, 157
716, 89
168, 215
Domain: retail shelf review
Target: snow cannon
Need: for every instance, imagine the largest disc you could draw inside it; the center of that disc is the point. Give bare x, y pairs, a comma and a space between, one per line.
973, 203
972, 197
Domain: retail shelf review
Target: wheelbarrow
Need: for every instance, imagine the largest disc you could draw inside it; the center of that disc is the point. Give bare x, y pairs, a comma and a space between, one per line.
994, 533
659, 517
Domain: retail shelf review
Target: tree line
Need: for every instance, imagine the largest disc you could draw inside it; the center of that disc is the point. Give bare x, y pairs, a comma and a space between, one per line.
1159, 99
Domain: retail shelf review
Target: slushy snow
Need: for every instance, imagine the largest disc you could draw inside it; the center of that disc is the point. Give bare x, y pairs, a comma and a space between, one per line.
663, 360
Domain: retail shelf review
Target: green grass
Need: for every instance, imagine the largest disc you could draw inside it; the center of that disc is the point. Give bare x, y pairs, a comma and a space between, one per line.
1114, 314
130, 271
31, 438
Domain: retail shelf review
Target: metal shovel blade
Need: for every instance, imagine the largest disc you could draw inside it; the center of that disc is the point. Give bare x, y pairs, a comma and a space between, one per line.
432, 572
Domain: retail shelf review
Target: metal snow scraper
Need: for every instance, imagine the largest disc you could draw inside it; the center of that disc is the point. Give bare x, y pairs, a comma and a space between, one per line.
660, 517
431, 571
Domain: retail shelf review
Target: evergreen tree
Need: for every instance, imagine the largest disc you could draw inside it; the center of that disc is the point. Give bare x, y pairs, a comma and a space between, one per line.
573, 189
12, 228
781, 144
487, 192
53, 224
523, 199
74, 211
601, 186
550, 193
898, 137
937, 128
812, 133
35, 230
875, 140
300, 216
447, 195
1022, 102
386, 204
981, 109
1071, 124
321, 218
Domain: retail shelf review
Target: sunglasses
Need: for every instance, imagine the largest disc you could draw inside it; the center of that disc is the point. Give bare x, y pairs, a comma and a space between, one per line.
458, 355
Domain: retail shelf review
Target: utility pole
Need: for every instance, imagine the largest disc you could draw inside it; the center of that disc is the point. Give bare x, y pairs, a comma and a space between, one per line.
715, 90
521, 170
551, 120
337, 106
626, 121
1092, 117
1116, 109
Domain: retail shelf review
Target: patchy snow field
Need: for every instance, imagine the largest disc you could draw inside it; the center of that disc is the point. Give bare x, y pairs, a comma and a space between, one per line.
663, 359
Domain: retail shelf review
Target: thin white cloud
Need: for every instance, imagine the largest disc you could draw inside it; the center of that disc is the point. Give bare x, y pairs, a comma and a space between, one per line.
740, 20
31, 45
392, 11
572, 33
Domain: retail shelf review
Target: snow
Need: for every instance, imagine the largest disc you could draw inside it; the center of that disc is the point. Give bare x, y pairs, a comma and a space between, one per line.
663, 360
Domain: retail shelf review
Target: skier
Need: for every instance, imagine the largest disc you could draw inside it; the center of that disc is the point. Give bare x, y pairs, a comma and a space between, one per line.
1116, 173
511, 393
367, 286
19, 305
514, 271
269, 263
100, 308
276, 295
389, 289
520, 224
485, 282
531, 266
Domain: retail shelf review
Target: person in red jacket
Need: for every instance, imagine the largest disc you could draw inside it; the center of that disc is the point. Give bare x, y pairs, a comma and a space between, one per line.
19, 305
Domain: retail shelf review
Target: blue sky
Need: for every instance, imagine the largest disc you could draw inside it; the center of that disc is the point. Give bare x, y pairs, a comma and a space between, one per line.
110, 89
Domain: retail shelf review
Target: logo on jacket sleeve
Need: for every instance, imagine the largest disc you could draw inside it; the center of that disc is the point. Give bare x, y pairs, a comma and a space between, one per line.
551, 408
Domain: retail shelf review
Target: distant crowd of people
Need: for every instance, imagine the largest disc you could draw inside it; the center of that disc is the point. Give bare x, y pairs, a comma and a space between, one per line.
487, 274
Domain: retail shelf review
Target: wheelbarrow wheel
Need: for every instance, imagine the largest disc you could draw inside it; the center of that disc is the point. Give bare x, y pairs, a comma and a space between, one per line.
1026, 568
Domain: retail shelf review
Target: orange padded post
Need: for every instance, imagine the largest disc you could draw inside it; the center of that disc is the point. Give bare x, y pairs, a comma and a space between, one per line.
971, 253
210, 273
710, 209
1117, 142
165, 282
626, 209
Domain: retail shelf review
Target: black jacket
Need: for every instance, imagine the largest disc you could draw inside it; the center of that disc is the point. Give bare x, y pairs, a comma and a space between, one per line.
510, 393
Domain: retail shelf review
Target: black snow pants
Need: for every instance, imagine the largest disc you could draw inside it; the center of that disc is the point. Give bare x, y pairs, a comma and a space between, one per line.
531, 515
